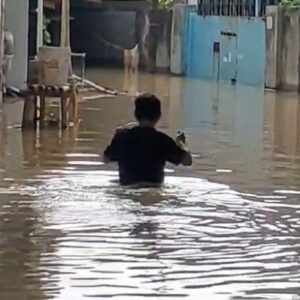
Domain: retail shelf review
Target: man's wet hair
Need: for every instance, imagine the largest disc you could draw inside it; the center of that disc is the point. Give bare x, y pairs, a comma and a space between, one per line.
147, 107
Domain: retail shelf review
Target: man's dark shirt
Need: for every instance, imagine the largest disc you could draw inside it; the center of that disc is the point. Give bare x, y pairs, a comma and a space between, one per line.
142, 153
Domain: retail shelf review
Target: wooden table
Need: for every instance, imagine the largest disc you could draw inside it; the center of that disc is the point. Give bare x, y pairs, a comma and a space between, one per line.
34, 112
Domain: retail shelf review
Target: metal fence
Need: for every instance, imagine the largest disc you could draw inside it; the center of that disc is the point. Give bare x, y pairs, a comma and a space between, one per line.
243, 8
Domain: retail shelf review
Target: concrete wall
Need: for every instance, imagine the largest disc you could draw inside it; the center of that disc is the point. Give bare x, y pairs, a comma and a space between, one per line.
273, 48
178, 38
290, 50
219, 48
283, 49
16, 21
164, 43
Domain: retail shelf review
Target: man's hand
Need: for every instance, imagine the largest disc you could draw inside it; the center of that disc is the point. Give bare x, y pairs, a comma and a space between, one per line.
181, 142
180, 138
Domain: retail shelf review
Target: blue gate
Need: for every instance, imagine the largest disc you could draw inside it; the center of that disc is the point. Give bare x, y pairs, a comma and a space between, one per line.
228, 55
225, 48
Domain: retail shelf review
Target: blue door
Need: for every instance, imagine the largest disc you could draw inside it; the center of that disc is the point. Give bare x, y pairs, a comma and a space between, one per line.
228, 56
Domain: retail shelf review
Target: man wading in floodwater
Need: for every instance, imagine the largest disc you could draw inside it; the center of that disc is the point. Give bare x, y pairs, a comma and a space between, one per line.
142, 151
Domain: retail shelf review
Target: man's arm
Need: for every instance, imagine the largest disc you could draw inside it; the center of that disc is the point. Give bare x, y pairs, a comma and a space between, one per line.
111, 153
177, 151
187, 159
106, 159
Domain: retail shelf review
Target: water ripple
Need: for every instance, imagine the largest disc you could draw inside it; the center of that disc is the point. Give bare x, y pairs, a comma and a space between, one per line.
188, 238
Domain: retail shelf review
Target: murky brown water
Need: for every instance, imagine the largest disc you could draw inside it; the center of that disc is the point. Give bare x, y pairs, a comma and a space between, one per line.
227, 228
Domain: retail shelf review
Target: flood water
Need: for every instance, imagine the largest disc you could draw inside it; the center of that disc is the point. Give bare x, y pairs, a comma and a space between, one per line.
225, 228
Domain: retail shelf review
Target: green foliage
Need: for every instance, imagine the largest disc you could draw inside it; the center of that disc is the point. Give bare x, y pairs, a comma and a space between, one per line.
167, 4
290, 4
46, 34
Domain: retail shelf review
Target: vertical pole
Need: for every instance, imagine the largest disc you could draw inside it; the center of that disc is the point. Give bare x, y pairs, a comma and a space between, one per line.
64, 111
2, 9
40, 25
65, 29
65, 24
29, 112
42, 110
257, 8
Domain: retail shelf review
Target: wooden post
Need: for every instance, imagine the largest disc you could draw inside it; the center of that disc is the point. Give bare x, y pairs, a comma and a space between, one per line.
64, 111
29, 143
42, 110
65, 28
29, 112
73, 105
65, 24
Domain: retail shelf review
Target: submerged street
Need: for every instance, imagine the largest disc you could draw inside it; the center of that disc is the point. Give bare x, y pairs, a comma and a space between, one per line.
225, 228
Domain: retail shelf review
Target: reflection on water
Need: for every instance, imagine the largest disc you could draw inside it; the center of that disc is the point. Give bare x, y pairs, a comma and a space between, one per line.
227, 228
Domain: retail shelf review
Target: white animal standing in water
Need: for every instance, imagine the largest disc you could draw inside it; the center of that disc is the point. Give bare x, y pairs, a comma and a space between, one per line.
131, 59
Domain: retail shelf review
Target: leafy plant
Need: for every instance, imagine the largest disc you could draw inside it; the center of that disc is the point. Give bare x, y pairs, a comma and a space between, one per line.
46, 34
167, 4
290, 4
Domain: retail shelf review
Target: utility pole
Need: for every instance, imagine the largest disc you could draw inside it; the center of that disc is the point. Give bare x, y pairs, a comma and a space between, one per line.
65, 29
65, 24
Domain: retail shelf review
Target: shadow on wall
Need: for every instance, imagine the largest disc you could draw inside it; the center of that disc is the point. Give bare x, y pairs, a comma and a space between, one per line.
104, 33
